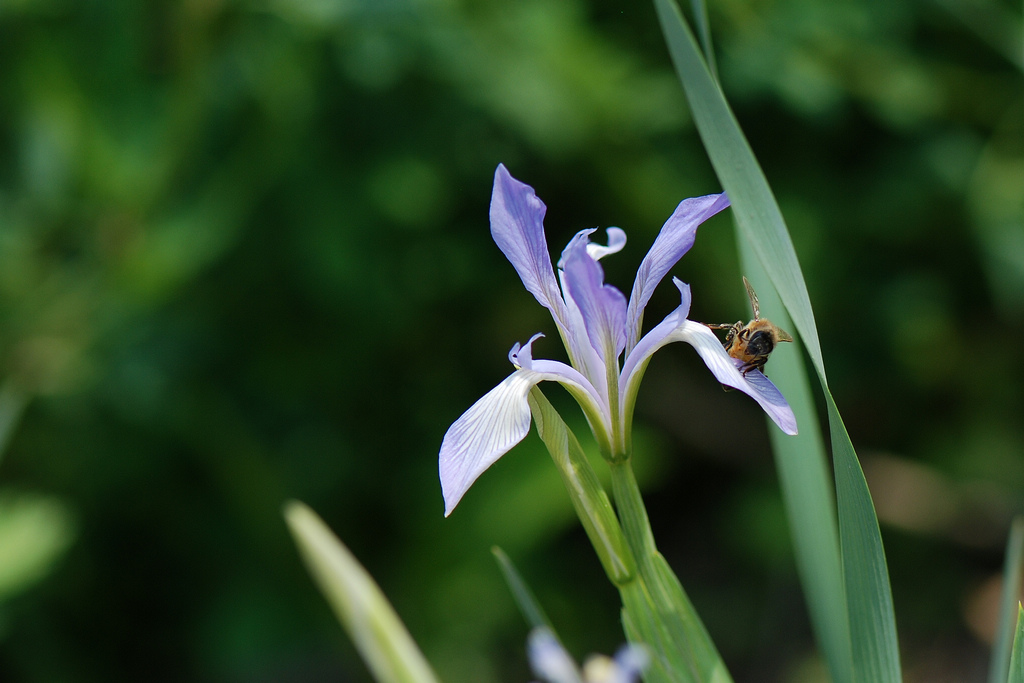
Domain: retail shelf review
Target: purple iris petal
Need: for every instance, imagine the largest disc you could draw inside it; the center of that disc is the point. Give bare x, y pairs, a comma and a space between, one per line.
484, 433
770, 395
725, 370
657, 337
522, 357
602, 306
548, 658
674, 240
517, 226
675, 327
500, 420
630, 662
616, 241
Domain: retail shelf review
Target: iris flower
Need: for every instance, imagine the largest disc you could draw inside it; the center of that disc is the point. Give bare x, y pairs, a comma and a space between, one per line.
553, 664
598, 327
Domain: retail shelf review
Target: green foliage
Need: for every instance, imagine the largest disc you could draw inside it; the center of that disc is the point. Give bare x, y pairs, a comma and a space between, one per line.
999, 666
371, 622
873, 649
531, 610
1016, 670
244, 258
34, 531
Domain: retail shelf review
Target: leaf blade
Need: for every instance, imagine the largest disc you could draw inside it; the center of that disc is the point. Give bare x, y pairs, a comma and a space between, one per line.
1016, 674
1000, 663
521, 593
872, 625
807, 488
377, 631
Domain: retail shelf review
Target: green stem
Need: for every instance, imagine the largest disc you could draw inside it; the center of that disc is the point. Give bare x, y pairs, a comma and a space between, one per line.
632, 513
585, 491
657, 607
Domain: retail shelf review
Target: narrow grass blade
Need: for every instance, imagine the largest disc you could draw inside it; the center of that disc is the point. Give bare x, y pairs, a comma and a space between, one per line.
999, 666
1017, 658
380, 636
522, 594
759, 220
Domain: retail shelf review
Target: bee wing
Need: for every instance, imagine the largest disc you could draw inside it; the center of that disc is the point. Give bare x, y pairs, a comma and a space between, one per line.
753, 298
783, 335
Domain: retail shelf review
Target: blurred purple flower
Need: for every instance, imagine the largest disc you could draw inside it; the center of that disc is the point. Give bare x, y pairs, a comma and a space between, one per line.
597, 326
553, 664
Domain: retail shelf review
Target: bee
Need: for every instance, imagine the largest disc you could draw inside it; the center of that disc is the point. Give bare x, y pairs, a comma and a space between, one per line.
752, 342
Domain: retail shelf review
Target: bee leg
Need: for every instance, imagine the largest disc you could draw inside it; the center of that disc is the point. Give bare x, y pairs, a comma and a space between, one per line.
756, 364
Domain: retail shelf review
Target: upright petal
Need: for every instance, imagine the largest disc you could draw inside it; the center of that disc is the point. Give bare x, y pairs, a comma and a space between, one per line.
602, 306
517, 226
636, 360
674, 240
582, 354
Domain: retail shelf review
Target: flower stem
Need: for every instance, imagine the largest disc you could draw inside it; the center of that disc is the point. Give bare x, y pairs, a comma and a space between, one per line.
632, 513
585, 491
662, 614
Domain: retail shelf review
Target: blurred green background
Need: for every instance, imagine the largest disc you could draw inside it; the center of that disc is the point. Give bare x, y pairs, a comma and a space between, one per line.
244, 257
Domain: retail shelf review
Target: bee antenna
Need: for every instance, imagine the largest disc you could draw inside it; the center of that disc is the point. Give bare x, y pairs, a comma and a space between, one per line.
753, 298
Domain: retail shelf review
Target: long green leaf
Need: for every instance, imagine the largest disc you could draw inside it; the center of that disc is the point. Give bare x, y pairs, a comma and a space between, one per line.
379, 634
703, 25
806, 483
872, 621
1017, 658
1009, 599
868, 595
528, 605
753, 204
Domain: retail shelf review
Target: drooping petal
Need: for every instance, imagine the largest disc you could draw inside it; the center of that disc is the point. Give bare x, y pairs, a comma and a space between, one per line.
517, 226
602, 306
484, 433
770, 395
501, 419
674, 328
725, 370
674, 240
